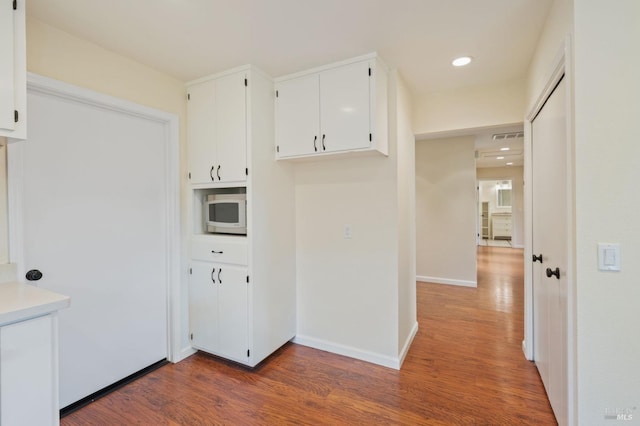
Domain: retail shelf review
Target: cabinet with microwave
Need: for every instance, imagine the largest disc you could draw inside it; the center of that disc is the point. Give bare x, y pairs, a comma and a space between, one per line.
339, 108
216, 126
242, 285
13, 70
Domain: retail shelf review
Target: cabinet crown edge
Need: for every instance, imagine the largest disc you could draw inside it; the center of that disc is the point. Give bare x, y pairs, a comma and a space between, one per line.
369, 56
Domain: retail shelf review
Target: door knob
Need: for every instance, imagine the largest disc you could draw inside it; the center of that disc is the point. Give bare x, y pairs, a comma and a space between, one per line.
33, 275
536, 258
552, 272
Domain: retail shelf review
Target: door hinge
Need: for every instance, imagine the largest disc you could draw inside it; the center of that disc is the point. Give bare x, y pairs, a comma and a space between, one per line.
189, 175
247, 279
277, 94
278, 148
191, 336
188, 96
369, 71
248, 353
246, 171
190, 271
15, 115
15, 4
246, 82
370, 137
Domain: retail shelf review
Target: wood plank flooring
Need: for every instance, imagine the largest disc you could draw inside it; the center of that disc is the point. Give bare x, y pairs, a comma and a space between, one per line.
465, 367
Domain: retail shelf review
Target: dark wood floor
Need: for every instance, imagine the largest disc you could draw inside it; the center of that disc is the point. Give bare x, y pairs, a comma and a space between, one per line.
465, 367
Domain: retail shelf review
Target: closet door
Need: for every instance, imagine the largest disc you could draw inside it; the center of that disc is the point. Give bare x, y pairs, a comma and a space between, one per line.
549, 150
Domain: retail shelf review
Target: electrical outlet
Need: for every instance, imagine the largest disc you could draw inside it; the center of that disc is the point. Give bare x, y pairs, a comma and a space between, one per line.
347, 232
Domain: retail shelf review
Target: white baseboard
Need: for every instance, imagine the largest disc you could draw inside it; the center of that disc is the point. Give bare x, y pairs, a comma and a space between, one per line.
184, 353
323, 345
518, 246
439, 280
407, 343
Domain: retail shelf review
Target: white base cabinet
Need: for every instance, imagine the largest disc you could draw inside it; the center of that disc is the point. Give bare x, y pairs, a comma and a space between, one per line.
339, 108
242, 288
28, 384
218, 309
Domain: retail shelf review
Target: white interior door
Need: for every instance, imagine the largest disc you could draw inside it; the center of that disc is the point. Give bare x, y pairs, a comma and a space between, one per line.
549, 162
96, 226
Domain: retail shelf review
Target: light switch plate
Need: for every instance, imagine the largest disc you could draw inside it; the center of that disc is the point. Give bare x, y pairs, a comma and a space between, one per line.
609, 256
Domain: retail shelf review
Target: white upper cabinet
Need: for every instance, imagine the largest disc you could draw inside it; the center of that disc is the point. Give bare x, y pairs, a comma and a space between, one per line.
217, 127
13, 70
334, 109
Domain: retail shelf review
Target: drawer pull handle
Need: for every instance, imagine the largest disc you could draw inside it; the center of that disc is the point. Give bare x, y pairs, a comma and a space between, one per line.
217, 252
213, 271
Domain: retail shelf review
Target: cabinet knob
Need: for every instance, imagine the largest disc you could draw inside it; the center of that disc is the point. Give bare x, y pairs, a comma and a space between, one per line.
315, 139
33, 275
552, 272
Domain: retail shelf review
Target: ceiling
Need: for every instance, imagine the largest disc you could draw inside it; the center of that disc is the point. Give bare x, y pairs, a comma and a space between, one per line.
189, 39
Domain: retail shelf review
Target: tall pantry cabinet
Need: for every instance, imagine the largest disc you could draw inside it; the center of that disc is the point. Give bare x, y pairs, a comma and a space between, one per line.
241, 288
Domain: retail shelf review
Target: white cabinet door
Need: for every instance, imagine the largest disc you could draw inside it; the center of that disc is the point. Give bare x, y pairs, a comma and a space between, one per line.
13, 70
231, 128
27, 377
203, 305
7, 88
345, 107
233, 312
298, 116
201, 109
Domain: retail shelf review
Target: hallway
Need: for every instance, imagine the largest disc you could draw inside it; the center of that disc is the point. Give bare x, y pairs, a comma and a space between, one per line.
465, 367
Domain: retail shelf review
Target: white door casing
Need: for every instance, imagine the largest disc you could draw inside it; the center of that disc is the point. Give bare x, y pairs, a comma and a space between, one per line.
96, 190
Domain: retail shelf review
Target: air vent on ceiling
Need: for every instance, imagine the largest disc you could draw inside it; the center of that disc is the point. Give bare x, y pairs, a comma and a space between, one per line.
507, 136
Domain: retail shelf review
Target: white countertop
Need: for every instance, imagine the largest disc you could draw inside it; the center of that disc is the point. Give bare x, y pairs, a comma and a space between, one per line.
19, 302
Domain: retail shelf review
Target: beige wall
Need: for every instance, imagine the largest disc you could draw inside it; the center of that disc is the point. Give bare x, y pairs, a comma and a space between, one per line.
469, 108
406, 216
607, 149
446, 211
61, 56
4, 227
349, 297
517, 205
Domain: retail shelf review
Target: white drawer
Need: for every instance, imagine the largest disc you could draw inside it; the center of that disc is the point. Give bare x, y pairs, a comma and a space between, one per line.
220, 249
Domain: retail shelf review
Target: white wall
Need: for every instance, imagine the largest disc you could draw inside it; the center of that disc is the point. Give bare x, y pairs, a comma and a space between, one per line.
607, 149
517, 205
469, 108
446, 211
349, 296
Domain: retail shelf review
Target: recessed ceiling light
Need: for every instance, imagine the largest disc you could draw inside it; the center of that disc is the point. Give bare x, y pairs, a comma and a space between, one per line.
461, 61
504, 149
499, 158
509, 164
